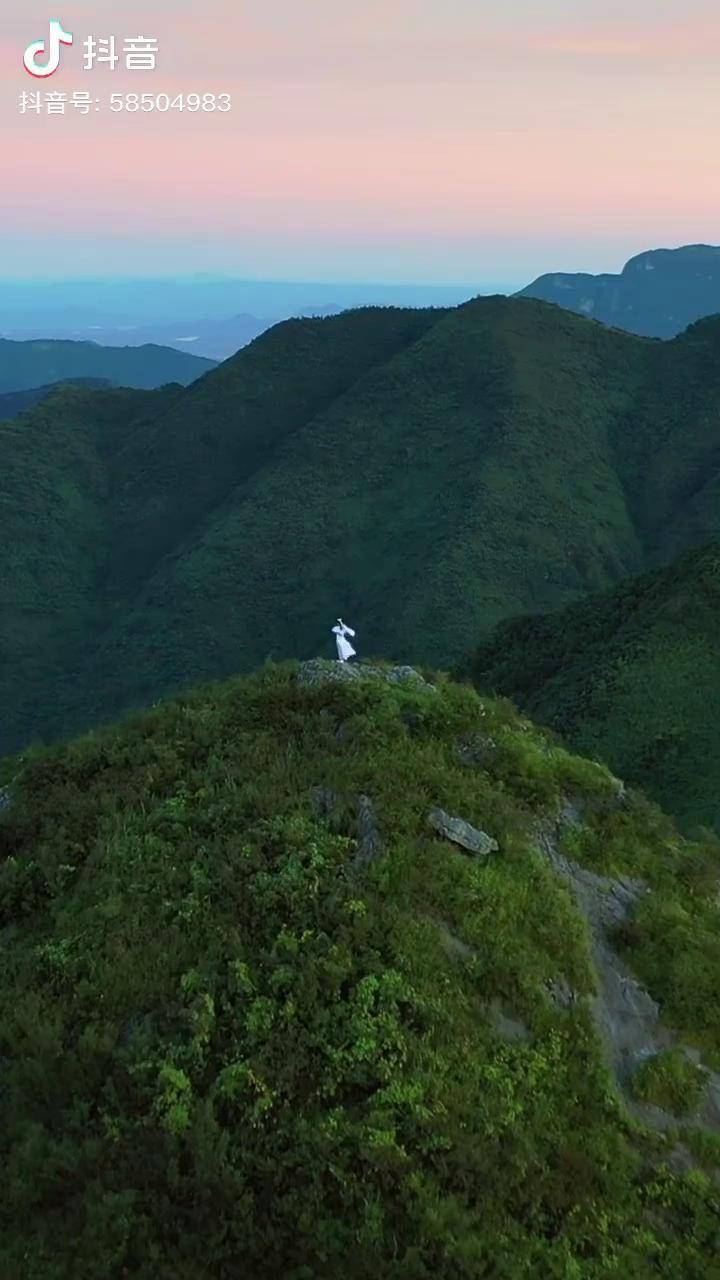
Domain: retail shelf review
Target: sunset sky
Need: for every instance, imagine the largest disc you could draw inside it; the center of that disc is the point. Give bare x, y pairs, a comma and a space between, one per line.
446, 141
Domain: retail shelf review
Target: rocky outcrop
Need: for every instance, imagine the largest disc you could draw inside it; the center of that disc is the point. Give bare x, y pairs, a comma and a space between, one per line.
561, 994
462, 833
324, 802
507, 1024
625, 1014
476, 749
4, 798
319, 671
370, 845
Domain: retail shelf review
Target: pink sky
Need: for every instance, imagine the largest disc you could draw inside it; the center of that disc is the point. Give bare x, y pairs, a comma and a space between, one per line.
401, 140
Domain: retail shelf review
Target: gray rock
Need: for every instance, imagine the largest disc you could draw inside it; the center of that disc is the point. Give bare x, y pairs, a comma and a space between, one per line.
681, 1160
462, 833
319, 671
476, 749
4, 798
625, 1014
370, 845
604, 901
507, 1024
454, 945
561, 993
324, 801
575, 807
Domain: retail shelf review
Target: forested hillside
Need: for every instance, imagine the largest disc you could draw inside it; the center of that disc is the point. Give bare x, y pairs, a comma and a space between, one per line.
39, 362
324, 973
631, 676
425, 473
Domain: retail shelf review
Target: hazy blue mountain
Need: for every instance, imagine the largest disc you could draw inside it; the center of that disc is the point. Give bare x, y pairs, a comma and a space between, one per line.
214, 338
211, 318
658, 293
24, 365
80, 303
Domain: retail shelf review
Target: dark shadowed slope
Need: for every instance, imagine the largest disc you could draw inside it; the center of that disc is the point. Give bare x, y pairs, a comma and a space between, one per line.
658, 293
632, 677
24, 365
13, 403
427, 474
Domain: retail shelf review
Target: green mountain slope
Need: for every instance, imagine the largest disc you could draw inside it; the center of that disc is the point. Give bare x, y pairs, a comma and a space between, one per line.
631, 676
424, 473
13, 403
658, 293
260, 1016
37, 363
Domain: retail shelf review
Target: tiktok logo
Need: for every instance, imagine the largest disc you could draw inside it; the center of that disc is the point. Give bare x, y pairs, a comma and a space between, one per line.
57, 37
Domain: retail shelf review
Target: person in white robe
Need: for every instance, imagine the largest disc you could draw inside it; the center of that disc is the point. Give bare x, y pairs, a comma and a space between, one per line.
344, 648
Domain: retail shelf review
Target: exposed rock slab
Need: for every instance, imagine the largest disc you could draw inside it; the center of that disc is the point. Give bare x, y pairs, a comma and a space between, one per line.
627, 1018
462, 833
325, 801
562, 995
370, 845
507, 1024
319, 671
476, 749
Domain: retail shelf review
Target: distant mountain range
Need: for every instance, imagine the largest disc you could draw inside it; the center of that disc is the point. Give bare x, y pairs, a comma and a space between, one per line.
426, 474
631, 676
211, 339
211, 318
27, 365
658, 293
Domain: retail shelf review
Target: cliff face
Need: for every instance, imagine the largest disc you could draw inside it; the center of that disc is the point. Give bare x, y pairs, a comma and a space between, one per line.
657, 294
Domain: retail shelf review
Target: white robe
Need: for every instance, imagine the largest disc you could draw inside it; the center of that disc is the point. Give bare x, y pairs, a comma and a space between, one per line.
344, 648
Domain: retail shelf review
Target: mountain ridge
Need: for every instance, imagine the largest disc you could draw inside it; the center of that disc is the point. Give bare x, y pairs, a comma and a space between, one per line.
13, 403
39, 362
630, 676
658, 293
426, 474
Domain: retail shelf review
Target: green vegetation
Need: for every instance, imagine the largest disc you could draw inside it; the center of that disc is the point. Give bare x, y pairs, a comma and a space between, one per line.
226, 1049
669, 1080
13, 403
631, 676
39, 362
426, 473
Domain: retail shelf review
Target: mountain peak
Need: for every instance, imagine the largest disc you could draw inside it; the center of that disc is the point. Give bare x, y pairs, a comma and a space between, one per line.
335, 980
658, 293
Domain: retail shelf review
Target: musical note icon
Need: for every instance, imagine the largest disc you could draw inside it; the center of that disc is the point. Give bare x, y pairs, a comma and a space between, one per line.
57, 37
